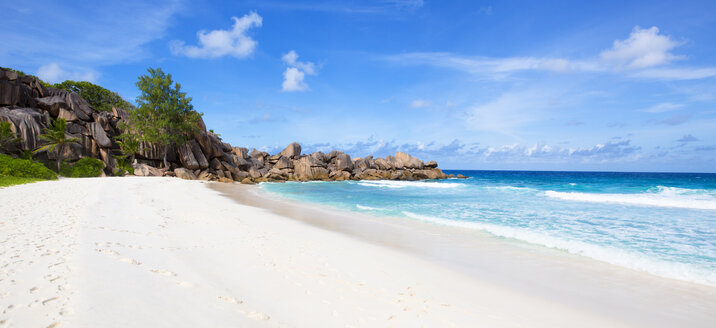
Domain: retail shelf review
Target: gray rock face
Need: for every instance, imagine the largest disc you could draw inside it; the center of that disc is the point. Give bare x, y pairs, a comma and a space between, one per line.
184, 174
99, 135
343, 162
198, 154
53, 104
27, 124
186, 156
293, 151
144, 170
283, 163
409, 161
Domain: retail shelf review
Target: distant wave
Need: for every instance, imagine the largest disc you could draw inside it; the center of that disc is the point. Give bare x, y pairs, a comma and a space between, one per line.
368, 208
632, 260
660, 196
407, 184
509, 188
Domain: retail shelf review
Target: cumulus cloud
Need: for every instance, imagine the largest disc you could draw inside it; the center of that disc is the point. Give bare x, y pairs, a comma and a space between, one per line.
53, 73
420, 103
218, 43
687, 138
644, 48
295, 73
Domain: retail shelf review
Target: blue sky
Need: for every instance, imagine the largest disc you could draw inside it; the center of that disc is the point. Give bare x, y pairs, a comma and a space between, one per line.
568, 85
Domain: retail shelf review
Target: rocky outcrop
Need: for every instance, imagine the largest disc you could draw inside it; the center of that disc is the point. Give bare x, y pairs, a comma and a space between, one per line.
29, 106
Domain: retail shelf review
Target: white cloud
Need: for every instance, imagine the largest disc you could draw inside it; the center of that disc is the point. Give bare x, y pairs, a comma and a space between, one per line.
53, 73
644, 48
291, 59
420, 103
642, 55
664, 107
295, 73
293, 80
218, 43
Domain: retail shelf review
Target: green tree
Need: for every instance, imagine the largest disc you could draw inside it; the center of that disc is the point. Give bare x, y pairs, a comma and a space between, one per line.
7, 137
98, 97
164, 115
56, 138
129, 144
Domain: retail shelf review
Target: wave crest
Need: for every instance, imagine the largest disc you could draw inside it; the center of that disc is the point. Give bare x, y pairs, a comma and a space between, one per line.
632, 260
407, 184
662, 197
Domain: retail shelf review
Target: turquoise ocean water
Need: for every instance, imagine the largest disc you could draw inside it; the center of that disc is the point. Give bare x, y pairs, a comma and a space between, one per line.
661, 223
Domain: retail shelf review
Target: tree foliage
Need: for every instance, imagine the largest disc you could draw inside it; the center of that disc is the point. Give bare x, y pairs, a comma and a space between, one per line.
98, 97
164, 114
7, 137
56, 138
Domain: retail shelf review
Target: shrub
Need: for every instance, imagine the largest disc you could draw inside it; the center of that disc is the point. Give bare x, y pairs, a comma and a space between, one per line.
87, 167
24, 168
123, 166
98, 97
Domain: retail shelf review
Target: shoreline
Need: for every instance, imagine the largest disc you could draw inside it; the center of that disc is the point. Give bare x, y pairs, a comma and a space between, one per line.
555, 275
166, 252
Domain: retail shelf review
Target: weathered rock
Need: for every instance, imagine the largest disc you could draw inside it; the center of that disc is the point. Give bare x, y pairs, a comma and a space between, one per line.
26, 123
184, 174
79, 106
241, 152
409, 161
186, 156
292, 151
460, 176
53, 104
206, 176
343, 162
99, 135
247, 181
283, 163
431, 164
144, 170
198, 154
216, 164
306, 169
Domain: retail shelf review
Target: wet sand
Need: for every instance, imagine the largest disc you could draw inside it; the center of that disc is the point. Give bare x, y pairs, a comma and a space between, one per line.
633, 297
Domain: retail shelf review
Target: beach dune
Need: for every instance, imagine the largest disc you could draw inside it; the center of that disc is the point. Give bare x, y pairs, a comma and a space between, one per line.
165, 252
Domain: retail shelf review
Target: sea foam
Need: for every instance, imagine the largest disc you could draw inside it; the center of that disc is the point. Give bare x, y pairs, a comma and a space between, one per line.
632, 260
408, 184
659, 197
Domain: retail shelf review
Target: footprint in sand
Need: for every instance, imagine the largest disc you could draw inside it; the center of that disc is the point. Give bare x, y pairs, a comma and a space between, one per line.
130, 261
164, 273
108, 252
229, 299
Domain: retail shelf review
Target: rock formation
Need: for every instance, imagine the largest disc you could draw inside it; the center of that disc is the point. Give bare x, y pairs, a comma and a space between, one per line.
28, 106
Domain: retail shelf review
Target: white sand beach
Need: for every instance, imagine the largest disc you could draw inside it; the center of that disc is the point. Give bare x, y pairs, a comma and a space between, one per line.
165, 252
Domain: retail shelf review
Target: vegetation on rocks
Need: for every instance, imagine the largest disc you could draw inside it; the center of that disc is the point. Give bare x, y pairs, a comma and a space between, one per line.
98, 97
24, 168
86, 167
57, 140
7, 137
164, 114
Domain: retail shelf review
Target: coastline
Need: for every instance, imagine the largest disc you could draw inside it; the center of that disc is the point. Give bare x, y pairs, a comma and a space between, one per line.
166, 252
551, 274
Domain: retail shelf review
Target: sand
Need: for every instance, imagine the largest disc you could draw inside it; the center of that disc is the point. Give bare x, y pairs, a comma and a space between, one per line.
165, 252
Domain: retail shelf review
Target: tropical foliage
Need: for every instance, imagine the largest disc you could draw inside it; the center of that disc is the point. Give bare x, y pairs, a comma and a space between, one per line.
57, 140
164, 114
24, 168
98, 97
7, 137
